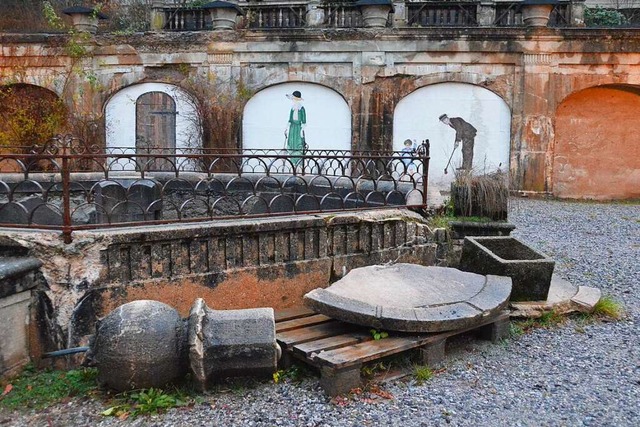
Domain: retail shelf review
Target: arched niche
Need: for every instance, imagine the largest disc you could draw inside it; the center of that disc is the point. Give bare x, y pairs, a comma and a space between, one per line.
266, 116
597, 153
416, 117
30, 115
122, 129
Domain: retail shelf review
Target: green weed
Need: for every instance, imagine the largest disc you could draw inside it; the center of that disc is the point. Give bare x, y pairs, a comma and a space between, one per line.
378, 335
547, 320
422, 373
294, 373
372, 369
146, 402
39, 389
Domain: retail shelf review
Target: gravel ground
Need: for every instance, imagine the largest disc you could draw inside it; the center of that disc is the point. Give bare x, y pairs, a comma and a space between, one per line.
577, 374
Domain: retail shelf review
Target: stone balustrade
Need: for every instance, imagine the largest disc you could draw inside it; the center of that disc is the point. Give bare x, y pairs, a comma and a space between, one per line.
345, 14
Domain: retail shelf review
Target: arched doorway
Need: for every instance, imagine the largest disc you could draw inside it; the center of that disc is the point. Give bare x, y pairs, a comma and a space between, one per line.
152, 116
597, 148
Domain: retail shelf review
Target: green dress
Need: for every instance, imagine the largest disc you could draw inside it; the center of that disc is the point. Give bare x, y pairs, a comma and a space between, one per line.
295, 141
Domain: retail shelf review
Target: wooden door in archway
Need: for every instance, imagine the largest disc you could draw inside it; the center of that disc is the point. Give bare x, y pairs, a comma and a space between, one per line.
156, 130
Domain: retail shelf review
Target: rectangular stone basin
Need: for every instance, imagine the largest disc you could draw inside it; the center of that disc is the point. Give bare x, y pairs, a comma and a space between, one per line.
530, 270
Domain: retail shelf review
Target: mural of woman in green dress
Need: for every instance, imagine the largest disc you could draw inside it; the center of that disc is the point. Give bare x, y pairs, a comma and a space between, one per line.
294, 134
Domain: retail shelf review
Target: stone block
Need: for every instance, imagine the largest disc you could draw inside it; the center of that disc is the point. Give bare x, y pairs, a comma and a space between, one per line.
14, 339
529, 270
224, 343
335, 382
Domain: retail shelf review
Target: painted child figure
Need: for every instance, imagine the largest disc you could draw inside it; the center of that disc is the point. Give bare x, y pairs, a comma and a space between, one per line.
408, 151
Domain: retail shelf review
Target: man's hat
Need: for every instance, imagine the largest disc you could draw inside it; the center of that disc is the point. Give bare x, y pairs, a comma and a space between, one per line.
444, 116
295, 95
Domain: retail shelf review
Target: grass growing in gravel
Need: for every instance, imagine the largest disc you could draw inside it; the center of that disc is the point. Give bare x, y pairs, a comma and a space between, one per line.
608, 307
422, 373
150, 401
37, 389
548, 319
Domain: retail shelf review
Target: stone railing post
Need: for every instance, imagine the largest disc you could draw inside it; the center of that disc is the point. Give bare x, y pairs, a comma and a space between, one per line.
486, 13
400, 17
577, 13
158, 18
315, 14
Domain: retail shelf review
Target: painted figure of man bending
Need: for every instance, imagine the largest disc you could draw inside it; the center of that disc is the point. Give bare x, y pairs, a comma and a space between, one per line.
465, 133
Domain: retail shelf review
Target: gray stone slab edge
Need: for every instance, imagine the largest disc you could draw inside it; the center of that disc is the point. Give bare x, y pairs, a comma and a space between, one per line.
441, 318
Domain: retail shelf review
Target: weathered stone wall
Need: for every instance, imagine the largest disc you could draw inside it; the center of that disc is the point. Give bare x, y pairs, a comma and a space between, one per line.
533, 70
231, 264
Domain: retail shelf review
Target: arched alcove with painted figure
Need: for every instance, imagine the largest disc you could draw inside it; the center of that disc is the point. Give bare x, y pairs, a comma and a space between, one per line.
327, 117
476, 116
597, 147
152, 112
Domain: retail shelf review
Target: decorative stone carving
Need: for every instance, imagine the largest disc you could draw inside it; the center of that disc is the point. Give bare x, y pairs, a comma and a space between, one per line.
223, 14
145, 344
535, 13
375, 13
224, 343
84, 19
140, 344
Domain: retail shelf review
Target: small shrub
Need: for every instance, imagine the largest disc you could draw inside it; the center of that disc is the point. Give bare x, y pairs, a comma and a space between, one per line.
601, 17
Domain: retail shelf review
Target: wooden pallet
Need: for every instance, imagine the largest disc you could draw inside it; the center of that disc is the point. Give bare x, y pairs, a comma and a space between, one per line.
339, 349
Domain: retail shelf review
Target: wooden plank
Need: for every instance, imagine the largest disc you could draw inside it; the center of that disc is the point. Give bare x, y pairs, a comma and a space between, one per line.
310, 333
341, 358
288, 325
292, 313
307, 349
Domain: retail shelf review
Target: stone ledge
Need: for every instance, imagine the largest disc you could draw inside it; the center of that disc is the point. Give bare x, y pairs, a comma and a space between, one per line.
18, 274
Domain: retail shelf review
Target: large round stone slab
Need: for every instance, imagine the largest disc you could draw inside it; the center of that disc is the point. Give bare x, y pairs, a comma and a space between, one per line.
412, 298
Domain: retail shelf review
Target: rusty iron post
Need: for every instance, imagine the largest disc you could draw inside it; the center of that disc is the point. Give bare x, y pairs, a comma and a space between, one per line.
425, 152
66, 182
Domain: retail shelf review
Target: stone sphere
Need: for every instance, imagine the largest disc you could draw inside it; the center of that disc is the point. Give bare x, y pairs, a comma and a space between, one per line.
140, 344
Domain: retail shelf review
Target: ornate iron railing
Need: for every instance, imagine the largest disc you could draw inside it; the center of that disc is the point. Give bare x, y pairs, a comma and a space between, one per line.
68, 185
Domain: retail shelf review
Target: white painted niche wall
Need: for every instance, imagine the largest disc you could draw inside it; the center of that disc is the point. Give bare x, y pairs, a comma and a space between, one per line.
266, 117
416, 118
120, 114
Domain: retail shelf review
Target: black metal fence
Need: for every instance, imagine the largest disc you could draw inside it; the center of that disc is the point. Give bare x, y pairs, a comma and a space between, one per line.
68, 185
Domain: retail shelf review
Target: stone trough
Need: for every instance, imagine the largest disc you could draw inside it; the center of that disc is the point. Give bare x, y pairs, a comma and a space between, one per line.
529, 269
